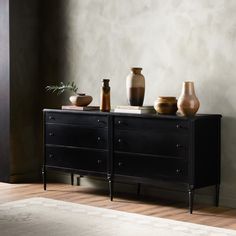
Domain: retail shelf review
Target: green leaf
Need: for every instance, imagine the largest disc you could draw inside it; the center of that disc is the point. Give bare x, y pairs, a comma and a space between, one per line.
61, 88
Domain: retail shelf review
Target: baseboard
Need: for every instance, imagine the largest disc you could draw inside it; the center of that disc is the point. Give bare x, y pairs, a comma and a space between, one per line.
29, 177
228, 202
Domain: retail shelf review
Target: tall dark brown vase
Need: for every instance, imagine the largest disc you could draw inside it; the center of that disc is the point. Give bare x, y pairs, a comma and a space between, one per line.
135, 86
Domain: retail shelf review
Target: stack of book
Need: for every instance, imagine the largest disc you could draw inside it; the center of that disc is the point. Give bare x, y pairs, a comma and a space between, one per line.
135, 109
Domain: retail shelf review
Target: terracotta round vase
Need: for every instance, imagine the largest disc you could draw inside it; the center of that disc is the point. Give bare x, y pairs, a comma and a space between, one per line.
135, 86
81, 100
188, 103
166, 105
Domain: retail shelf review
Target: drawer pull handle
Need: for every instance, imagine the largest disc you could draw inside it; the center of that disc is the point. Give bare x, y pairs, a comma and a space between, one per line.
99, 161
179, 146
178, 126
101, 121
120, 164
119, 140
51, 118
99, 139
51, 134
119, 122
51, 155
178, 171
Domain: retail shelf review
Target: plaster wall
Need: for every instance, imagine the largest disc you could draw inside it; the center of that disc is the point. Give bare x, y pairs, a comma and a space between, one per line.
173, 40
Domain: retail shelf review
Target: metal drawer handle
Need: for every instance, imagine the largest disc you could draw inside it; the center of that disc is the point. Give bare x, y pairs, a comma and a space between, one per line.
119, 140
179, 146
178, 171
51, 118
51, 155
178, 126
101, 121
51, 134
99, 161
120, 164
99, 139
119, 122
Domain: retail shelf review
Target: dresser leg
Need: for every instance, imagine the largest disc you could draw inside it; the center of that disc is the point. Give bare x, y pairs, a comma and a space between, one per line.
44, 175
110, 182
191, 197
138, 189
72, 178
217, 194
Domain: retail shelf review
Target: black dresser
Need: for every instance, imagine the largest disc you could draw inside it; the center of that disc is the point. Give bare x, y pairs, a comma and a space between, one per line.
145, 149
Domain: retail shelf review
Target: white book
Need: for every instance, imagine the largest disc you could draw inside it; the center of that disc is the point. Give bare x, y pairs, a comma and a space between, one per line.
78, 108
133, 111
134, 107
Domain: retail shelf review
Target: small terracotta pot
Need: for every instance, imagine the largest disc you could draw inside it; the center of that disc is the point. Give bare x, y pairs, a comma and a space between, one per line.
188, 103
81, 100
166, 105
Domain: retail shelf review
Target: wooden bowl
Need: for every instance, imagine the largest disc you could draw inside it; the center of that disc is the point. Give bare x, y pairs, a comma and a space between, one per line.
166, 105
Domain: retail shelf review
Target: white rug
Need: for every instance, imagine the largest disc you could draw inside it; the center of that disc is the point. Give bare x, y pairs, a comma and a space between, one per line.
42, 216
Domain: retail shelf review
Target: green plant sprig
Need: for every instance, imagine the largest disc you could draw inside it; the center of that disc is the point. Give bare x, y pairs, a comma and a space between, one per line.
61, 88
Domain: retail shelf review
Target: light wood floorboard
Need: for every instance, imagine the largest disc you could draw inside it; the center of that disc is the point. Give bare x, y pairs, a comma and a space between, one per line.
202, 214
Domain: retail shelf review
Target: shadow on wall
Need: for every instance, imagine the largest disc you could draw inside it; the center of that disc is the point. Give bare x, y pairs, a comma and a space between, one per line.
216, 96
228, 163
55, 62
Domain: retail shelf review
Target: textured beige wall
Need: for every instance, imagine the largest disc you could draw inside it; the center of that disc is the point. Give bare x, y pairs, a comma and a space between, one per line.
173, 40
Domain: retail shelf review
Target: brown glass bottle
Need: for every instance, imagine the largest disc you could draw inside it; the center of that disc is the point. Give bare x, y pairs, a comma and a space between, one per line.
105, 96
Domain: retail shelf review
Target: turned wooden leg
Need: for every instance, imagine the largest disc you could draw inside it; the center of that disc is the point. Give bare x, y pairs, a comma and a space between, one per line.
191, 198
72, 178
138, 189
110, 182
217, 194
44, 175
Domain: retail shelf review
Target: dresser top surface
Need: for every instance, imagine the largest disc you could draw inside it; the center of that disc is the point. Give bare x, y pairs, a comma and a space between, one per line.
154, 116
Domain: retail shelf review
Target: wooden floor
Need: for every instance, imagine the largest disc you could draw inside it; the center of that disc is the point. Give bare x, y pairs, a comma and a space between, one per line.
208, 215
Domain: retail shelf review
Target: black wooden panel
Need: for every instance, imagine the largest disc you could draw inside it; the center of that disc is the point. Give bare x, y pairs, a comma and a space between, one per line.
150, 167
91, 121
75, 158
206, 161
78, 136
152, 141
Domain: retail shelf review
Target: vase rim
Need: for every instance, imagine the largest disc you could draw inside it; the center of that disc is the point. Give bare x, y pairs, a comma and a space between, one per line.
167, 97
188, 81
136, 68
81, 94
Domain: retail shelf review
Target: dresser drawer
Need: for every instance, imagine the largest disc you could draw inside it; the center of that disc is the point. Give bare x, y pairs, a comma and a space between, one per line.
92, 121
78, 136
151, 142
74, 158
151, 124
150, 167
